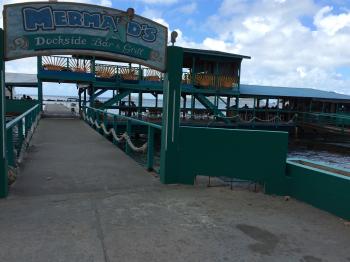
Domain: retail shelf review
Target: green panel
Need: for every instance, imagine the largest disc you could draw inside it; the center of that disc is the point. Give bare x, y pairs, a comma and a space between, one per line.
245, 154
171, 117
19, 106
322, 189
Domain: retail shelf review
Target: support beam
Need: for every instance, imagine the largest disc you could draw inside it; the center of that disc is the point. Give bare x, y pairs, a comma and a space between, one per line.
209, 105
40, 84
79, 93
116, 99
3, 163
98, 93
139, 106
193, 106
84, 102
169, 167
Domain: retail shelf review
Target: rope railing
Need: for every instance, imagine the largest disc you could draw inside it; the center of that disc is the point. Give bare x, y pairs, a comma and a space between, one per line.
111, 131
92, 117
255, 118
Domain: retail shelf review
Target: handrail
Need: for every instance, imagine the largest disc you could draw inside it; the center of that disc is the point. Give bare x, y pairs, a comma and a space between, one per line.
14, 122
332, 115
92, 117
19, 131
142, 122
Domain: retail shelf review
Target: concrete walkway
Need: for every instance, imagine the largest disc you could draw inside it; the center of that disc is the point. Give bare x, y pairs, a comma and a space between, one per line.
79, 198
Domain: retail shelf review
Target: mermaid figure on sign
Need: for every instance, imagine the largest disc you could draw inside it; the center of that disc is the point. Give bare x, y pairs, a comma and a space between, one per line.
122, 26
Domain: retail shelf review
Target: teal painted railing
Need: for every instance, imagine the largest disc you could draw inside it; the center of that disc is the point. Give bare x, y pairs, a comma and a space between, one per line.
18, 133
340, 121
107, 124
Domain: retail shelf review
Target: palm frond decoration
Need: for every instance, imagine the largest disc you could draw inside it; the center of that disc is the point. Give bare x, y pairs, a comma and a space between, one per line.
79, 65
54, 63
152, 75
106, 71
127, 73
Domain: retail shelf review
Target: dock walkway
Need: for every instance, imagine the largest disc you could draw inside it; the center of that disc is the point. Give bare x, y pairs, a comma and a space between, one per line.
79, 198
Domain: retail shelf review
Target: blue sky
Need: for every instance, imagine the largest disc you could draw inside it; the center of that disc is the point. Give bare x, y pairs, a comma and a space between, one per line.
303, 43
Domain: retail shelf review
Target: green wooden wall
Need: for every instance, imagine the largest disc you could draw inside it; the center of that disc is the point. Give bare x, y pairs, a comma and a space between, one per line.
322, 189
19, 106
245, 154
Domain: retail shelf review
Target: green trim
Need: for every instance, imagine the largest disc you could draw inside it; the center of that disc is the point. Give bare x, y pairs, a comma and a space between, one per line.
322, 189
3, 162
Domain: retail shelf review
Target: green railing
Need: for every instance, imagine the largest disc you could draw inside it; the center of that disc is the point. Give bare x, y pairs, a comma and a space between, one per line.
339, 121
18, 134
107, 124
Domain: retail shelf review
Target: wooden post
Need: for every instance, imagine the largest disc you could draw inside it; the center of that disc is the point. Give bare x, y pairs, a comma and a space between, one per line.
139, 106
169, 167
193, 106
40, 84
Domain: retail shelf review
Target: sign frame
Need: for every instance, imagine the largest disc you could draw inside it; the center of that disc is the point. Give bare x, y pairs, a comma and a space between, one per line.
108, 55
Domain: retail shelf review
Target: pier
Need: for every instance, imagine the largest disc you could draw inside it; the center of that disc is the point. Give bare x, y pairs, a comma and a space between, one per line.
80, 198
201, 174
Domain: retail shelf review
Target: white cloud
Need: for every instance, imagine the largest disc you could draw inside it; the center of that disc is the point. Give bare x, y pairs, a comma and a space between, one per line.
106, 3
188, 8
329, 23
284, 51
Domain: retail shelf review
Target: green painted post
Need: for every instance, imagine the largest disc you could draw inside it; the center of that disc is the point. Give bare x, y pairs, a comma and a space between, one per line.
140, 73
3, 162
93, 63
169, 168
79, 93
9, 147
150, 149
40, 84
193, 106
228, 101
139, 106
84, 102
92, 98
193, 73
128, 131
239, 76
